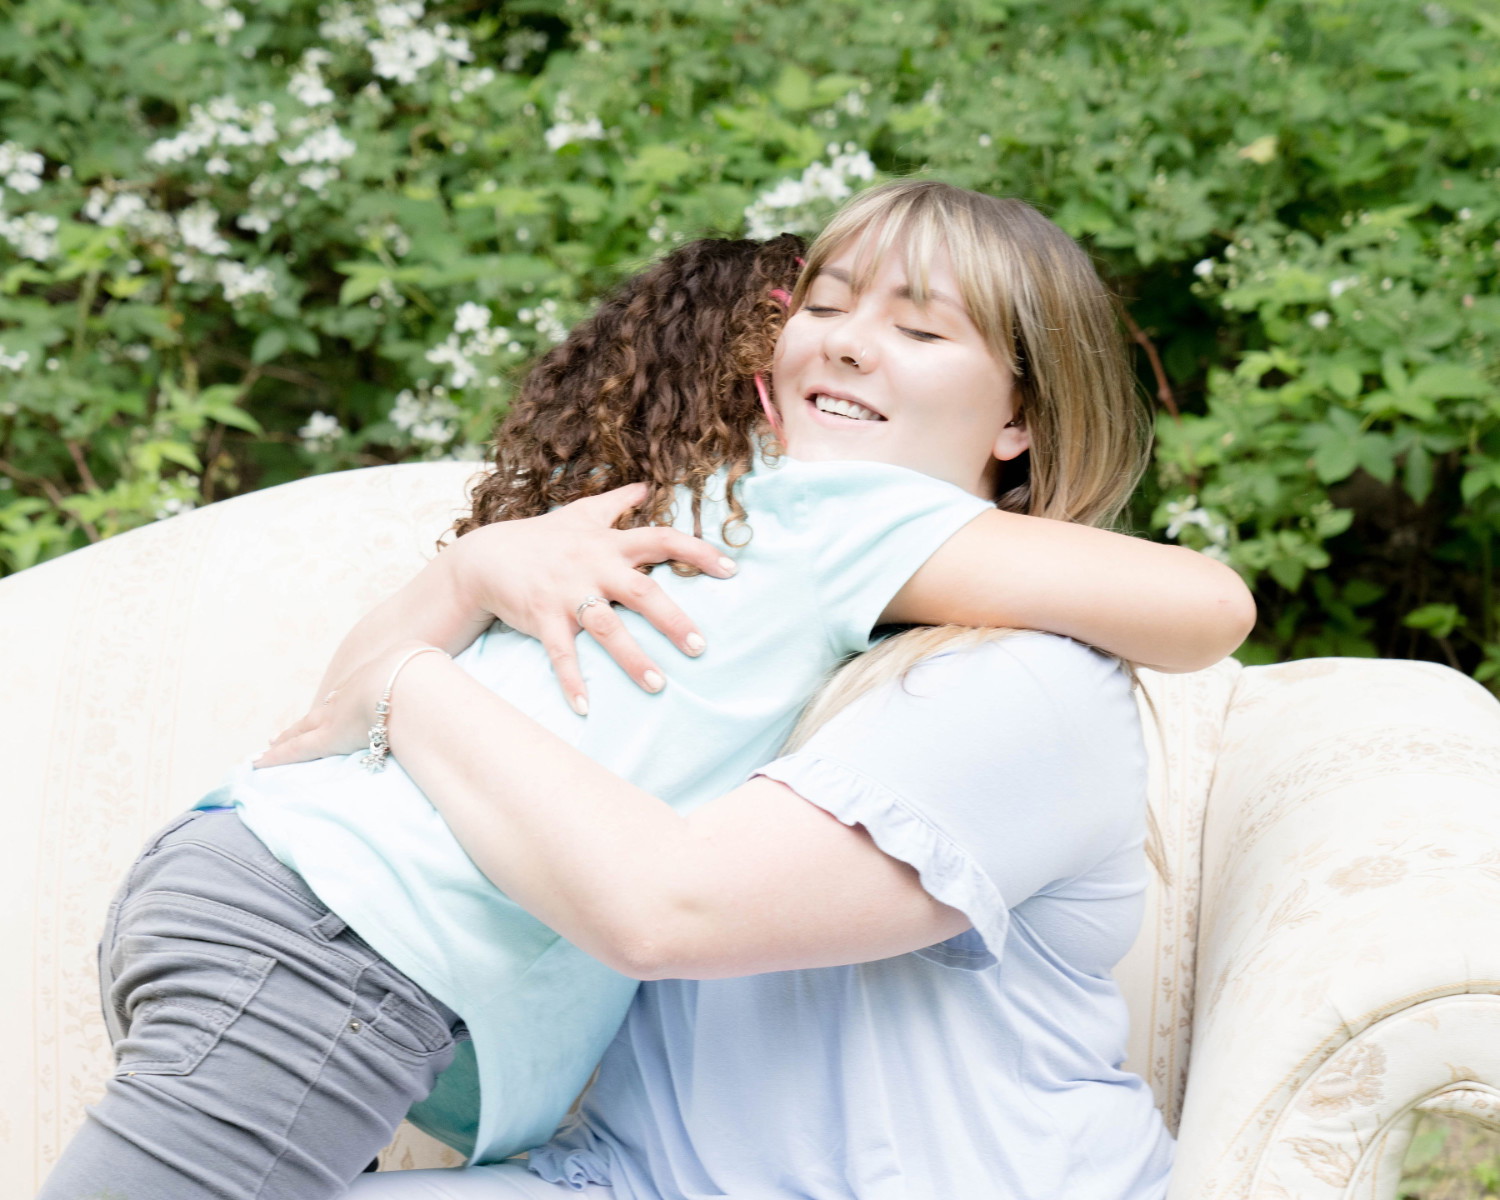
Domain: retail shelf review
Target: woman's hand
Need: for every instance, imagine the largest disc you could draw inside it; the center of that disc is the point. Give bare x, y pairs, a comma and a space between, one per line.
340, 722
537, 574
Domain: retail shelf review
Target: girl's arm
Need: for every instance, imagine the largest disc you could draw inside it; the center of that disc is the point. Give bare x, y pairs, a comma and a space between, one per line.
1164, 607
757, 880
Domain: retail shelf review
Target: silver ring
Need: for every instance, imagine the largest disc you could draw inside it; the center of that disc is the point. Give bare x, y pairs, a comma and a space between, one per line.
588, 602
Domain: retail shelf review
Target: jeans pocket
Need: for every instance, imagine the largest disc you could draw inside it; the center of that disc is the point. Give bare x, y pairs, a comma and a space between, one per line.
411, 1028
175, 997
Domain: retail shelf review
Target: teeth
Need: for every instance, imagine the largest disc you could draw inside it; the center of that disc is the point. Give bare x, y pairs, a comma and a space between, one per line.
845, 408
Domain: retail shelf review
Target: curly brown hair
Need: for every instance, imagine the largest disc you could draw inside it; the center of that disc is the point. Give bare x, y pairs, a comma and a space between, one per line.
656, 387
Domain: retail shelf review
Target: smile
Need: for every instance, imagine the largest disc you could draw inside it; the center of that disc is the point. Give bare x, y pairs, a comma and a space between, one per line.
840, 406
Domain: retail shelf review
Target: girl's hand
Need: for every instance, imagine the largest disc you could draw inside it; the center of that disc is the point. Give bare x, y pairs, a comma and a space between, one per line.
536, 574
340, 722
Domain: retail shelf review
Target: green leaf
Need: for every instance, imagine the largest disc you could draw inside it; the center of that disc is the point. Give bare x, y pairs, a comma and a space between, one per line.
662, 164
1440, 620
1418, 473
1449, 381
793, 90
1376, 456
1288, 572
1476, 481
268, 345
1345, 380
1335, 459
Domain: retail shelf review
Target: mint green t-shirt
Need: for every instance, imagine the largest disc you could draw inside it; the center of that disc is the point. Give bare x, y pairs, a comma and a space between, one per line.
831, 544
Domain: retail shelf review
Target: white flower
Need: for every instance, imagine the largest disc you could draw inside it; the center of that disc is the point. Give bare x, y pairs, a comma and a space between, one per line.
796, 205
13, 362
254, 220
340, 23
407, 412
198, 227
173, 506
306, 83
320, 432
1465, 213
317, 179
1339, 286
565, 133
1203, 268
429, 420
217, 165
544, 319
327, 145
471, 318
461, 372
239, 281
21, 168
405, 49
1319, 319
220, 122
852, 103
400, 15
34, 235
1185, 512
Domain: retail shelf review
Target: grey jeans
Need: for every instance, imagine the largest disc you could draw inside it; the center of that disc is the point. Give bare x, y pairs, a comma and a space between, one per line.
262, 1049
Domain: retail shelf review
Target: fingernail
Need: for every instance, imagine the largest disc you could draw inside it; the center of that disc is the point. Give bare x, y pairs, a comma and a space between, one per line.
694, 643
727, 565
581, 705
653, 681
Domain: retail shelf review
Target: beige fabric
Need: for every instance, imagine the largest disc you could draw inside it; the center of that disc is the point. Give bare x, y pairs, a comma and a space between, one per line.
1351, 876
1324, 946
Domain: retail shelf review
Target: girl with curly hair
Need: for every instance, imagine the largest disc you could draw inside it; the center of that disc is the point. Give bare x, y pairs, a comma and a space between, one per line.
958, 423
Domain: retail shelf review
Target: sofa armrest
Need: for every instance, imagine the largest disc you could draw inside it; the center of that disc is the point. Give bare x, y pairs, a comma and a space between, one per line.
1348, 963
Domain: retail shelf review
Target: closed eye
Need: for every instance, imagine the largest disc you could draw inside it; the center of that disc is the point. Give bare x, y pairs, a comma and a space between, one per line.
820, 310
922, 335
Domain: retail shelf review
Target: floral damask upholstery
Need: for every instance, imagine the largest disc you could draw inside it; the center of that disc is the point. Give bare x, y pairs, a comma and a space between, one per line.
1319, 964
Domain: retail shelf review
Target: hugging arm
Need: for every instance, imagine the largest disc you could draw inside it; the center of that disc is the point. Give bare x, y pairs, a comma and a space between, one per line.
761, 878
757, 880
1165, 607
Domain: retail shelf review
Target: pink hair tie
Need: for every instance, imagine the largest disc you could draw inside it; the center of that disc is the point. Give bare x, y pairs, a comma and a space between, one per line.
765, 402
782, 295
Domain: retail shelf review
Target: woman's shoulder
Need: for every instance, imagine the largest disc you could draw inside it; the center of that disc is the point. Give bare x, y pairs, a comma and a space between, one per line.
1023, 667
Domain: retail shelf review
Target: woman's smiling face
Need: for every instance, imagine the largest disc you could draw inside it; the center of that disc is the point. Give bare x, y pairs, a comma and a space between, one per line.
874, 376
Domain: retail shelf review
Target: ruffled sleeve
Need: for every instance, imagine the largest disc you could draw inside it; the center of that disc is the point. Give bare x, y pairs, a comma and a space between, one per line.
999, 772
948, 873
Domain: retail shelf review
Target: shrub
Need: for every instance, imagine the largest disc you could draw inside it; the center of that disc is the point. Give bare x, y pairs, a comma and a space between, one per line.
241, 242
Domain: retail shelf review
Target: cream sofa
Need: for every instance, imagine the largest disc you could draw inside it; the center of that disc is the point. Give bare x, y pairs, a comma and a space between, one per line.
1323, 963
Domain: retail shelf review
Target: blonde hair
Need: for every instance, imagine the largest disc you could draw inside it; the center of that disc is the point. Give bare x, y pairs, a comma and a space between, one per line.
1047, 317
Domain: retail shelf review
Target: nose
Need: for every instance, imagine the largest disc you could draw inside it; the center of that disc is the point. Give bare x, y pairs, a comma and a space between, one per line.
846, 343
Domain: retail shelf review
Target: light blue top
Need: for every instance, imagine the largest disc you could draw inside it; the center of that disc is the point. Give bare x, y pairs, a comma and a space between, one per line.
832, 543
1012, 777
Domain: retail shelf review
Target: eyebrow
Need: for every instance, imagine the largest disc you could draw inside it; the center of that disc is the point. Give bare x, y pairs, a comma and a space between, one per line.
903, 292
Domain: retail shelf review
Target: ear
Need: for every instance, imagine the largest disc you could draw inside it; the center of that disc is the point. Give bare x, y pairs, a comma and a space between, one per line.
1014, 440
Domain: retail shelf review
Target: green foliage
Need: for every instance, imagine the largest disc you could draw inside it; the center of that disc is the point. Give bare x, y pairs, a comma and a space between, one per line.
269, 237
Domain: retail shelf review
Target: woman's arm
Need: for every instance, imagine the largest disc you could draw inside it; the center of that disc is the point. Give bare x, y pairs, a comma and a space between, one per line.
1164, 607
757, 880
531, 574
